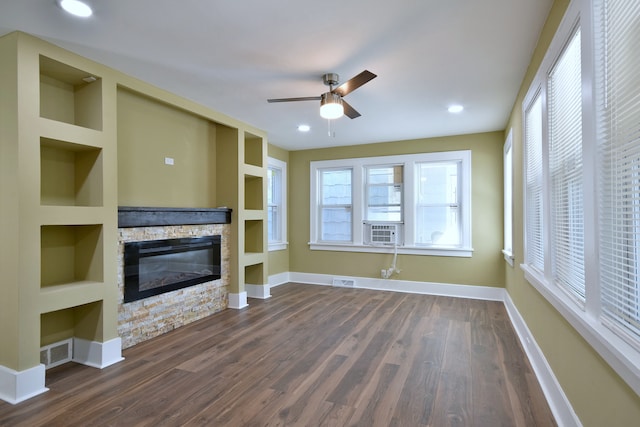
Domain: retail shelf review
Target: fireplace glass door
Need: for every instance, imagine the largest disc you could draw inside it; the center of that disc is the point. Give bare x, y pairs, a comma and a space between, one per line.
158, 266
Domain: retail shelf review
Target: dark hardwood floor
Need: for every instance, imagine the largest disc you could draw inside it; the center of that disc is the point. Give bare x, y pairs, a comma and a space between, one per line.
310, 356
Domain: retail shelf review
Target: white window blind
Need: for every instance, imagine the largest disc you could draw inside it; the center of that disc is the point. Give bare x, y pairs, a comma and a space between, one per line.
384, 193
438, 204
534, 248
274, 197
618, 124
335, 207
276, 204
582, 238
564, 109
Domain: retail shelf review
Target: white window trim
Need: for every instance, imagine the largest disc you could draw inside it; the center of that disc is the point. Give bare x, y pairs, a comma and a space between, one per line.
508, 199
623, 358
409, 161
282, 166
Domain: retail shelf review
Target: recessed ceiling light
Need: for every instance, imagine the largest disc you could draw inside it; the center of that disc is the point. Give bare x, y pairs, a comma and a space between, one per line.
304, 128
456, 109
76, 7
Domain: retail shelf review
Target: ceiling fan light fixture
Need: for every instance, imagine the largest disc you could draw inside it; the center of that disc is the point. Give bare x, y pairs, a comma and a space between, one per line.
331, 106
76, 8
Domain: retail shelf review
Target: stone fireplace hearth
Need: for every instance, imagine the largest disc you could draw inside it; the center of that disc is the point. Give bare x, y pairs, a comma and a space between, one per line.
146, 318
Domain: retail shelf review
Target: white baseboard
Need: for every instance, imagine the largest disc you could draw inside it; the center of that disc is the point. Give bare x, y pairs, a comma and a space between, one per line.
238, 301
429, 288
16, 387
279, 279
258, 291
97, 354
558, 401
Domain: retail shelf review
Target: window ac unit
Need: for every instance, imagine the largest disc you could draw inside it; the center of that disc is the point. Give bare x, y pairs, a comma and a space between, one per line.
382, 234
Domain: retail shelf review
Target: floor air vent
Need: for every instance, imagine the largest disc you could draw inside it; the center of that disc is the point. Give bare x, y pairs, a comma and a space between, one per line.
57, 353
344, 283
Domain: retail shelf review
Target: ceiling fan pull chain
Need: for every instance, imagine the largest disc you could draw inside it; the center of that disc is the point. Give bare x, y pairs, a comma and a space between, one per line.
329, 133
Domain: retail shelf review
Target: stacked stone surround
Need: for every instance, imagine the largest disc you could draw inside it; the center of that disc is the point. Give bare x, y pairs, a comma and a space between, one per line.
147, 318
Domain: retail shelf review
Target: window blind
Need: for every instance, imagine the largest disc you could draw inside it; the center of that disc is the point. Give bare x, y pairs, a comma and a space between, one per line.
335, 206
534, 256
274, 203
438, 207
564, 109
618, 124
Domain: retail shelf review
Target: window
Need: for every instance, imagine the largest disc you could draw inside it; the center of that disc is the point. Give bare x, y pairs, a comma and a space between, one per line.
564, 110
582, 178
534, 236
276, 204
618, 117
553, 137
508, 199
425, 198
438, 205
384, 193
335, 207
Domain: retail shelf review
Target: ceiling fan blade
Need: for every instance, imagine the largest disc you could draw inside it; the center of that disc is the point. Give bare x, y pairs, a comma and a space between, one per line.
349, 111
354, 83
304, 98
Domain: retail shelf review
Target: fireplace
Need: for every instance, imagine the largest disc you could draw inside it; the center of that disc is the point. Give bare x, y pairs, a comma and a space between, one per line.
158, 266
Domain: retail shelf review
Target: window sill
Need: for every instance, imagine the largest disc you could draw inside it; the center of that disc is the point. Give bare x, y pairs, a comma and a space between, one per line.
278, 246
508, 256
403, 250
622, 357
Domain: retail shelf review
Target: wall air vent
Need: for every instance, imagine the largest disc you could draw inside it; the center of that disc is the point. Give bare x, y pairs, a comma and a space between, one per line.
344, 283
57, 353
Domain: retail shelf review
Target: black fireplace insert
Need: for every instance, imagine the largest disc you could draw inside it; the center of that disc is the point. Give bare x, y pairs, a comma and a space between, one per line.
158, 266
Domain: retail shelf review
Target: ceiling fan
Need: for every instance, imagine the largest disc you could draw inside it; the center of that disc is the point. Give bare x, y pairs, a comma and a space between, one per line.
332, 105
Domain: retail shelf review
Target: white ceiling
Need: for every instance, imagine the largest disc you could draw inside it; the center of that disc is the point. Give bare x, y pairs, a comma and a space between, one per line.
233, 55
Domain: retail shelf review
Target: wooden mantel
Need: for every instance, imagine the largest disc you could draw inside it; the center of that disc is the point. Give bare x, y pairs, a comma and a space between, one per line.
135, 216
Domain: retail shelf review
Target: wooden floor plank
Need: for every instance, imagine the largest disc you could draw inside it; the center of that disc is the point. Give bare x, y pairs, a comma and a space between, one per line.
309, 356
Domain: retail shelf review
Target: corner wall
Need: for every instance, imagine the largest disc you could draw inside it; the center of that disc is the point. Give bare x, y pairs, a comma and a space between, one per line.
484, 268
598, 395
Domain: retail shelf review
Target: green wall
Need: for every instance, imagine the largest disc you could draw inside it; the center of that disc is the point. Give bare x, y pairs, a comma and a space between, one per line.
485, 267
10, 204
598, 395
149, 131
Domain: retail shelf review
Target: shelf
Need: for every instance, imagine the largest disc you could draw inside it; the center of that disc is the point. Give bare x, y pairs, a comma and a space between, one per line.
69, 295
70, 95
71, 253
255, 171
76, 215
70, 174
71, 134
254, 258
252, 214
253, 193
